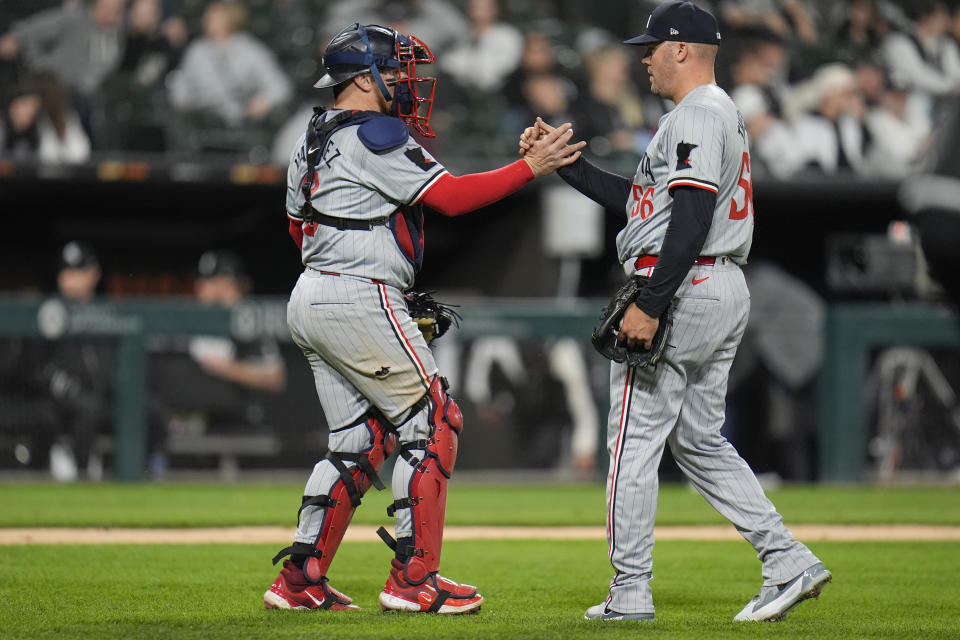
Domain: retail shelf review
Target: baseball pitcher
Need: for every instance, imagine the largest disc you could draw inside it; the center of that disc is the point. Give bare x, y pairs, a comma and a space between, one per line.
689, 226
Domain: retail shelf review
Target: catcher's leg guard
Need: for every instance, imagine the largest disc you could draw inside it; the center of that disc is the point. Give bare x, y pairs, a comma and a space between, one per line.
323, 518
414, 584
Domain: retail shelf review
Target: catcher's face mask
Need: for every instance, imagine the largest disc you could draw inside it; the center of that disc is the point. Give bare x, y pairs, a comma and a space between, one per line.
413, 100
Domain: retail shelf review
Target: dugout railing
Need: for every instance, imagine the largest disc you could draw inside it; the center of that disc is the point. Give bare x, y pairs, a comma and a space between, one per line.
852, 331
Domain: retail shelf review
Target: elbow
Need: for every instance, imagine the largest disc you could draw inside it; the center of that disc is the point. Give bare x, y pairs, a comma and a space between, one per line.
450, 212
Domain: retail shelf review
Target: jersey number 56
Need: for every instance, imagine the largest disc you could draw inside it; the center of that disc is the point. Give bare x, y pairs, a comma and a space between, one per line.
644, 202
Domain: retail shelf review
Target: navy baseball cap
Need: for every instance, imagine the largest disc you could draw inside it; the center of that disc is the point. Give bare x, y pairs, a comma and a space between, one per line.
78, 255
215, 263
680, 21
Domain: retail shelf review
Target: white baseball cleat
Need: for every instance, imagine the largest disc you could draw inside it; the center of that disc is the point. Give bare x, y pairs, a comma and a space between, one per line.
773, 603
601, 612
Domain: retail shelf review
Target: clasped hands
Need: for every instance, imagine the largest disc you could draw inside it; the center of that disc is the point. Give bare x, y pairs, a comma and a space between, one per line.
546, 148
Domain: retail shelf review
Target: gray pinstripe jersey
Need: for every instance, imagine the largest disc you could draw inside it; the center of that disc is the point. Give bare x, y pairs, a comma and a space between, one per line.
354, 182
701, 143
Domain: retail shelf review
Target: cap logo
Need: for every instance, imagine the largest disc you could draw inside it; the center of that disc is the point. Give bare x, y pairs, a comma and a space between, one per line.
674, 32
649, 18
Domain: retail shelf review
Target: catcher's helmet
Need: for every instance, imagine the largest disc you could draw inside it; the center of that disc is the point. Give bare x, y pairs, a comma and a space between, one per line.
360, 49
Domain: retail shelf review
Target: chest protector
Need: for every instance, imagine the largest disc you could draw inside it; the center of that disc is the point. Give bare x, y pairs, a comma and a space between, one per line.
379, 133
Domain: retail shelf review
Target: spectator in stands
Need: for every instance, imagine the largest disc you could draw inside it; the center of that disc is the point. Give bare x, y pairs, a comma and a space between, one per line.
759, 93
861, 31
134, 104
228, 73
871, 79
80, 43
78, 374
897, 122
39, 124
212, 383
608, 112
926, 59
291, 29
538, 86
221, 280
537, 58
833, 137
491, 52
154, 45
545, 94
789, 19
437, 22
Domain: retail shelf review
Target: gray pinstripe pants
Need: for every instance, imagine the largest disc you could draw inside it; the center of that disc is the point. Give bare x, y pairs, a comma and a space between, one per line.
365, 351
682, 402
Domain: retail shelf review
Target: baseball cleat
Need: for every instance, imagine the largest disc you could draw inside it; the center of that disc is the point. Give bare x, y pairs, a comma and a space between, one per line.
773, 603
601, 612
436, 594
292, 590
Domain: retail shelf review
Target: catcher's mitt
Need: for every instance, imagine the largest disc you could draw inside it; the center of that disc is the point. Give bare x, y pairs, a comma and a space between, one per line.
605, 335
432, 317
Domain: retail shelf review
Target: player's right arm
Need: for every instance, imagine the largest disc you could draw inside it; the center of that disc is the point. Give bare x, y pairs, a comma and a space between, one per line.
453, 196
606, 189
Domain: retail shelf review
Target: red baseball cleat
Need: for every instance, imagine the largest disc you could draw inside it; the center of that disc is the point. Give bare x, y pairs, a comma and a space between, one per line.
436, 594
292, 590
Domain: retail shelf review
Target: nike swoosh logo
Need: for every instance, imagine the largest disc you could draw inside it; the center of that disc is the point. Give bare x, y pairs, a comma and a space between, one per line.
699, 280
310, 595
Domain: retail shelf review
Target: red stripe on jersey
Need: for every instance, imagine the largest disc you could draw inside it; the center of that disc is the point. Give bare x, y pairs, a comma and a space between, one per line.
453, 195
692, 183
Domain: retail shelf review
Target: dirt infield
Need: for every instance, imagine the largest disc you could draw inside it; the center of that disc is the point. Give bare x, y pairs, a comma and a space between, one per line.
367, 533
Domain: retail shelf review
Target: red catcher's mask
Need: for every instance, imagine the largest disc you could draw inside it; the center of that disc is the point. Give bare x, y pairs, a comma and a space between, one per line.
413, 100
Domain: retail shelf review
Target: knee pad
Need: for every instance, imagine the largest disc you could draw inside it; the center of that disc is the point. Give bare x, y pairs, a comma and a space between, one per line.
427, 490
343, 498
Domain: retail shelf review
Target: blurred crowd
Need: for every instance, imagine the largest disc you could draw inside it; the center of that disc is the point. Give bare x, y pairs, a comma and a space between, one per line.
825, 87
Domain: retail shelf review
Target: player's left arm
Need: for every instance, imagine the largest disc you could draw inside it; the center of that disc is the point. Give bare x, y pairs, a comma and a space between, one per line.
686, 233
690, 221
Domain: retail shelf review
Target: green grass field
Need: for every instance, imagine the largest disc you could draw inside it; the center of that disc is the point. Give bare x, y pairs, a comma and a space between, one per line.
183, 505
533, 589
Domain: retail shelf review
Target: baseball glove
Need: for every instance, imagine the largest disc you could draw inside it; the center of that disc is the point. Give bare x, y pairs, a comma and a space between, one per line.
432, 317
605, 335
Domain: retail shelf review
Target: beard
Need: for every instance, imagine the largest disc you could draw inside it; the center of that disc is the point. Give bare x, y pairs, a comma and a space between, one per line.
654, 88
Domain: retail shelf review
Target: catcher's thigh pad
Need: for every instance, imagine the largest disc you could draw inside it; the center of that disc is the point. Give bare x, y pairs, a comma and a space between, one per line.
427, 489
344, 496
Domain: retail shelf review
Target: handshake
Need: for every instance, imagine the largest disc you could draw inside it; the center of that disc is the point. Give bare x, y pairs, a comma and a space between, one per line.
546, 148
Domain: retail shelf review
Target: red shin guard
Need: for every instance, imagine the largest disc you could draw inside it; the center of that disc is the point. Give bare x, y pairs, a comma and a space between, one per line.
428, 485
343, 498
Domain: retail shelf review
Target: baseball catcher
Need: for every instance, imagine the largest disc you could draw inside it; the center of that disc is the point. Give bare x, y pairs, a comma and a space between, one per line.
356, 187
